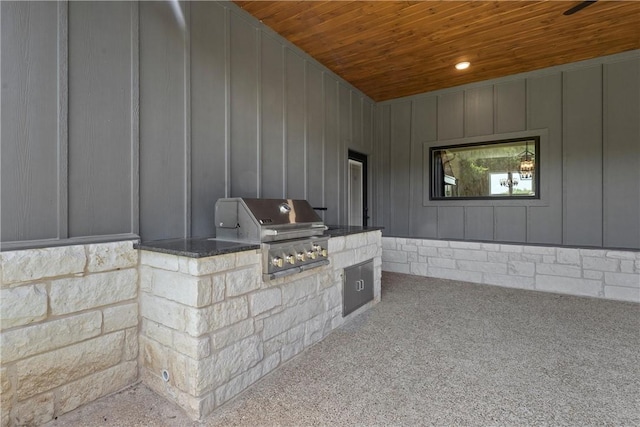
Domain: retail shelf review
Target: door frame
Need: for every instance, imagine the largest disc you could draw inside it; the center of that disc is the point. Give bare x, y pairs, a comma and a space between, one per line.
362, 158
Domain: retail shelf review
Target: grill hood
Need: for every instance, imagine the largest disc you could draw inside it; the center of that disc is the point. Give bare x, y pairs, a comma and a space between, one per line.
266, 220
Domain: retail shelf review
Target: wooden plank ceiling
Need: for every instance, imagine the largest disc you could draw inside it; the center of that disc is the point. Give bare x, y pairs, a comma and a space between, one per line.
391, 49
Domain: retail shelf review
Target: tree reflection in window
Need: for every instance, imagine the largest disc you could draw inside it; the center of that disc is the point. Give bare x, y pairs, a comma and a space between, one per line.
496, 169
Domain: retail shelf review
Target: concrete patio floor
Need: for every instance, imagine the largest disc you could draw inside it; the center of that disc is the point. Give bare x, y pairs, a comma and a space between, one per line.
436, 352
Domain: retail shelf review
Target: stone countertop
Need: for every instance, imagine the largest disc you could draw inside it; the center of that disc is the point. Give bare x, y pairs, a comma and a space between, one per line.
345, 230
195, 247
206, 246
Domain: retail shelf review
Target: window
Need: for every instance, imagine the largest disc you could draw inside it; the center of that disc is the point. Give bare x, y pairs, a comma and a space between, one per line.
487, 170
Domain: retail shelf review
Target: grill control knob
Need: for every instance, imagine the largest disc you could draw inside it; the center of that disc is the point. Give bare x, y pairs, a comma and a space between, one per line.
277, 262
291, 259
311, 254
316, 248
323, 252
300, 256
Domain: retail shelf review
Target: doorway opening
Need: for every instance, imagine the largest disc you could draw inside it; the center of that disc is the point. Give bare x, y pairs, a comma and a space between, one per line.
357, 189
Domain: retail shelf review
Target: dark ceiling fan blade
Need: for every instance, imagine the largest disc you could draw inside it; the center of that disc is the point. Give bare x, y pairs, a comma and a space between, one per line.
578, 7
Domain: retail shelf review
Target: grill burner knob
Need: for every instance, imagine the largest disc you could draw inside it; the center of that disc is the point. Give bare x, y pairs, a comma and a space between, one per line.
311, 254
319, 250
291, 259
300, 256
277, 262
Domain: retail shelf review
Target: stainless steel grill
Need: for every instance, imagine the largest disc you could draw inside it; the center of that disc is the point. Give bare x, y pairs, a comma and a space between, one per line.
290, 232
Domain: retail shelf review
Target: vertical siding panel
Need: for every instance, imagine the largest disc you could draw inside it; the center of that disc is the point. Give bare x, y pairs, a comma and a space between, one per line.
478, 223
478, 111
451, 115
331, 148
30, 188
356, 122
621, 198
400, 167
367, 127
63, 119
385, 169
344, 114
162, 115
450, 222
511, 223
544, 111
344, 132
208, 163
510, 106
186, 8
582, 145
135, 118
272, 116
295, 126
244, 108
99, 118
227, 103
425, 223
315, 149
367, 148
423, 220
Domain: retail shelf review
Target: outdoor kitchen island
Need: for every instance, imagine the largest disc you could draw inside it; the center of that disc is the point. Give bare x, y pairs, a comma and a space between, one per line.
211, 326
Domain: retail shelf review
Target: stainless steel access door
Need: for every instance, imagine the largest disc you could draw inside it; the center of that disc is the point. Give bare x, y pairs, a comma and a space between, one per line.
357, 289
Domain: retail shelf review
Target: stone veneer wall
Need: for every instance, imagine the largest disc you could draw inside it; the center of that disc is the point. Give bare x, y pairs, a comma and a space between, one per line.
69, 322
610, 274
70, 330
215, 327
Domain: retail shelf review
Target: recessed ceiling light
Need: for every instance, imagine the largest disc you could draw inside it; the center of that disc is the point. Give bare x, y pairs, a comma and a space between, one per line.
462, 65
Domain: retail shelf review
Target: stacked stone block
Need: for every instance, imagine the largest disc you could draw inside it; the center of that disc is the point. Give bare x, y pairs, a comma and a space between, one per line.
211, 327
600, 273
69, 328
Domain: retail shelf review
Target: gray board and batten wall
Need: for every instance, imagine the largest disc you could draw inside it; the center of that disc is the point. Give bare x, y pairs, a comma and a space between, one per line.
587, 115
116, 123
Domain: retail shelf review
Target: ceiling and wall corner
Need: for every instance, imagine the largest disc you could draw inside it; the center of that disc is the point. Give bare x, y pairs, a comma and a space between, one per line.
532, 70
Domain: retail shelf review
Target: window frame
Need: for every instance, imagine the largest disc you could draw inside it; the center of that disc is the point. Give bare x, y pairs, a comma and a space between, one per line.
536, 175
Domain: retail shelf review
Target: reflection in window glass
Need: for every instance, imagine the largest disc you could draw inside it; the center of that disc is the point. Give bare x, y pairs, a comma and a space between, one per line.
498, 187
487, 170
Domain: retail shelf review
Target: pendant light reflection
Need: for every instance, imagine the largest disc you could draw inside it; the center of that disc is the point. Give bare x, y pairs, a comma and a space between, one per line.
527, 163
